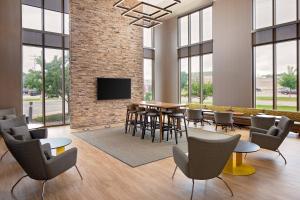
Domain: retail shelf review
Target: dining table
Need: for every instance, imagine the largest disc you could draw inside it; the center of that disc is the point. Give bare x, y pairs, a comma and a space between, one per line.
161, 106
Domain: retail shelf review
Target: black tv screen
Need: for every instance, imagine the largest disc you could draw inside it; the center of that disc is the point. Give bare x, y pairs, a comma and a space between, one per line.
113, 88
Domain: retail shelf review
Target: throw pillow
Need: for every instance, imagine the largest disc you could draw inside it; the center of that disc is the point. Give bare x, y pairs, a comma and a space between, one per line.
6, 125
273, 131
21, 130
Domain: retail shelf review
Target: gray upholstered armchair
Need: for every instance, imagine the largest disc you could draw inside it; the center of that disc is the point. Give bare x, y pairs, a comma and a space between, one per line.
206, 158
224, 119
17, 127
194, 115
271, 139
259, 124
37, 161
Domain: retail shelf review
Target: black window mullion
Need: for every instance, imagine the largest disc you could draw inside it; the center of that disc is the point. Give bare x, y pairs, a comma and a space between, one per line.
63, 67
298, 66
253, 77
44, 62
201, 54
201, 78
274, 76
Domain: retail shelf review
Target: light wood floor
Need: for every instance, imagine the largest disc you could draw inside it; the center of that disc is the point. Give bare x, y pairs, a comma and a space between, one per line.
106, 178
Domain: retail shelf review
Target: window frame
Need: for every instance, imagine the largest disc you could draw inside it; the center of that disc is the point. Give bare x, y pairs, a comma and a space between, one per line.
188, 51
63, 48
274, 41
152, 79
200, 10
149, 53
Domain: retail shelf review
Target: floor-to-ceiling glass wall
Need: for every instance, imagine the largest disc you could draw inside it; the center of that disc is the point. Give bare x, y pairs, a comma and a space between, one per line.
148, 81
286, 76
195, 79
46, 81
207, 79
195, 57
184, 80
276, 54
148, 64
33, 83
264, 76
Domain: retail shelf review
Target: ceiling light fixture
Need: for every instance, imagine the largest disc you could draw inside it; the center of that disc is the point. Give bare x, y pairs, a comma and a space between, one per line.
144, 14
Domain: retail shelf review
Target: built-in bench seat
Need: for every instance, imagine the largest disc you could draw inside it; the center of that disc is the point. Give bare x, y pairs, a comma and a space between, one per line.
245, 119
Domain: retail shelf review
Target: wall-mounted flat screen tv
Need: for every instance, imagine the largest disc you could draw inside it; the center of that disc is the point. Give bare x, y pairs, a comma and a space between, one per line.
113, 88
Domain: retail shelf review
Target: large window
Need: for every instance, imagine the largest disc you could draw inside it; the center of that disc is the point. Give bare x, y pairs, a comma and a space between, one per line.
33, 83
195, 57
195, 27
148, 43
207, 24
276, 55
31, 17
148, 38
184, 80
148, 81
195, 79
264, 76
286, 76
207, 79
184, 31
263, 16
46, 81
286, 11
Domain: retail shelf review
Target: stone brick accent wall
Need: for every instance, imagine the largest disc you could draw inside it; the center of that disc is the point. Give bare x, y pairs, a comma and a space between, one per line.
102, 44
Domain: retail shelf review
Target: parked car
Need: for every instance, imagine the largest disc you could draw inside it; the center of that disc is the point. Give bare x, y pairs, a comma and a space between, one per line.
33, 93
287, 91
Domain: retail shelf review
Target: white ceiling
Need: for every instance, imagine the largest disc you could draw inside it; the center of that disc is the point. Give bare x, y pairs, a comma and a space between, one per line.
179, 9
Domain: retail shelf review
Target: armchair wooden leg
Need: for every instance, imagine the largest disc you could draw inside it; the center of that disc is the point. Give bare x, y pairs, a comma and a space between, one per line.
13, 187
79, 172
226, 185
43, 189
192, 189
281, 156
174, 172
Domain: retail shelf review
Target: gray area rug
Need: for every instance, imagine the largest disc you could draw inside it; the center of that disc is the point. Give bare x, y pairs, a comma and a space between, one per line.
134, 151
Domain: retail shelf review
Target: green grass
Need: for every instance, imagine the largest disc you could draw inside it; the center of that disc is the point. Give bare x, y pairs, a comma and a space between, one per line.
49, 118
279, 108
265, 98
31, 99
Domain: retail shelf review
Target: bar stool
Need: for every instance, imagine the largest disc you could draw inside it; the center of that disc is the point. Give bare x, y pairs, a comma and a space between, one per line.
150, 123
130, 113
167, 126
177, 116
139, 119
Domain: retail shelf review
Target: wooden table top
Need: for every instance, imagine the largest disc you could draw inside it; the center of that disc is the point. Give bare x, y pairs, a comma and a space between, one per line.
159, 104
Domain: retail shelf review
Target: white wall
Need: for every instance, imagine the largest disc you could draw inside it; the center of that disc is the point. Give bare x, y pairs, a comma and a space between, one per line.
166, 62
232, 57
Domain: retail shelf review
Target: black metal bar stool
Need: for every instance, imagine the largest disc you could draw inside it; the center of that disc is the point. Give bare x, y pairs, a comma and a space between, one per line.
177, 116
139, 119
150, 123
167, 125
130, 113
